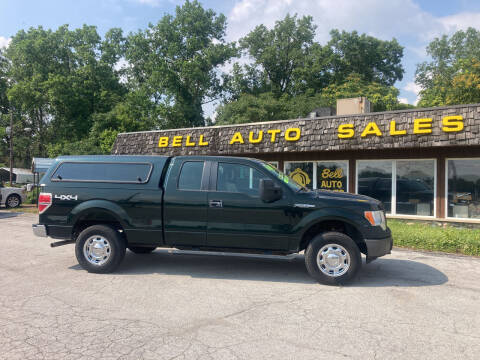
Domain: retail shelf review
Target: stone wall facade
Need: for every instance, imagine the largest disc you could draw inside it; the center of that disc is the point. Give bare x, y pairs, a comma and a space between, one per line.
318, 134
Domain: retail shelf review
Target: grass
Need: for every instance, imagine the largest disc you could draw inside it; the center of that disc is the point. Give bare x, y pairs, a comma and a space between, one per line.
432, 237
24, 208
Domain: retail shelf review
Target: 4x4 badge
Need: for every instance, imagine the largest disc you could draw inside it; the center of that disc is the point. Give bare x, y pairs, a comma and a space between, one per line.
66, 197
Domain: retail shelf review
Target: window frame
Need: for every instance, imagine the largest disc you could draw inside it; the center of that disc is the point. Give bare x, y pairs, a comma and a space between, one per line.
205, 172
315, 166
147, 179
446, 191
393, 208
214, 183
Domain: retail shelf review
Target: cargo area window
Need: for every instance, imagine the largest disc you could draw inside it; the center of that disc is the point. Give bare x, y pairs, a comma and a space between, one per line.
191, 175
118, 172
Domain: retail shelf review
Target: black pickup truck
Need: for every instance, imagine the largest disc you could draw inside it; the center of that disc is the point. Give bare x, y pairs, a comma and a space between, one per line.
106, 204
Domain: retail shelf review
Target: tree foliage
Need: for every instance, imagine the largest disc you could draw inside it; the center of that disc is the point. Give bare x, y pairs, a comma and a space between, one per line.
175, 63
290, 71
449, 78
76, 90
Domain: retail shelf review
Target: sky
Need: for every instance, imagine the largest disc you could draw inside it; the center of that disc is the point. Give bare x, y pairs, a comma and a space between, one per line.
414, 23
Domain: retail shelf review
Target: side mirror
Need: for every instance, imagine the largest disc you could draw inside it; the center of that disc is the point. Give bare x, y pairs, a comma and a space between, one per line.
269, 192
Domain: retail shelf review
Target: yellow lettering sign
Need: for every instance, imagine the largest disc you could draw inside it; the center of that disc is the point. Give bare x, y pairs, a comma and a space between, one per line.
328, 174
294, 137
177, 141
371, 129
394, 131
422, 126
188, 142
202, 142
163, 141
257, 140
346, 131
452, 123
273, 134
237, 138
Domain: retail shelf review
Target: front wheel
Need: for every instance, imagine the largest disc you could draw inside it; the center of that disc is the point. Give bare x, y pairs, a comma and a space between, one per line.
100, 249
332, 258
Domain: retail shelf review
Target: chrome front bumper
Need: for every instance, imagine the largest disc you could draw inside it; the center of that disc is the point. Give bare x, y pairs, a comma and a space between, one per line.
39, 230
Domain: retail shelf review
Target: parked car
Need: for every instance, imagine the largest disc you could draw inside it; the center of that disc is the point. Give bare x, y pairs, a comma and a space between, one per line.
106, 204
12, 197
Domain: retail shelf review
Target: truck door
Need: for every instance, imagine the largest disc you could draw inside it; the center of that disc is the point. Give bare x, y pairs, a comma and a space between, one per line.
185, 202
237, 217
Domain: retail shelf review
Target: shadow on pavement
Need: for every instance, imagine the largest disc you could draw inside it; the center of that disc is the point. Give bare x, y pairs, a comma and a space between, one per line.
382, 272
7, 214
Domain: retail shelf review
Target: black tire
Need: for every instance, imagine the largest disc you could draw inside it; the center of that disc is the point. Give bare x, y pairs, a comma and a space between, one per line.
116, 248
352, 253
11, 197
141, 250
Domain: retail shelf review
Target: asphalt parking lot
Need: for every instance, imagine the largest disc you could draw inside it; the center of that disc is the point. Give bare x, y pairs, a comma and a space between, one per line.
177, 305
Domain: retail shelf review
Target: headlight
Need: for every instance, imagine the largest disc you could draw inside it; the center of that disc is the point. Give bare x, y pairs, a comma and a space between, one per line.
376, 218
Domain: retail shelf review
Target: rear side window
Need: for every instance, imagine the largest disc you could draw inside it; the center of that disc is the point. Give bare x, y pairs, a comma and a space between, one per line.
191, 175
137, 173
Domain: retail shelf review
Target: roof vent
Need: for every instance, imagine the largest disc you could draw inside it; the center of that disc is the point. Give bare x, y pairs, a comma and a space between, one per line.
358, 105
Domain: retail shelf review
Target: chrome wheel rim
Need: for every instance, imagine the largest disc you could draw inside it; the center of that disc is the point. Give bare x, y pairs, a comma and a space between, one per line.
333, 260
97, 250
13, 201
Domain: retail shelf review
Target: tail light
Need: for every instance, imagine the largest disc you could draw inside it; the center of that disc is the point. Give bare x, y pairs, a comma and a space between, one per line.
44, 202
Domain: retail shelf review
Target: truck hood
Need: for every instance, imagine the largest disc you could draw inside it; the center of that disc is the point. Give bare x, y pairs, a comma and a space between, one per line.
336, 196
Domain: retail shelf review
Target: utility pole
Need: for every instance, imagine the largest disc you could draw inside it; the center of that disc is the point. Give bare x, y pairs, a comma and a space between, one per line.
11, 147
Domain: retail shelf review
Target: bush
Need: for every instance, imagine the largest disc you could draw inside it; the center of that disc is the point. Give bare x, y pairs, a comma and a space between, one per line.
426, 236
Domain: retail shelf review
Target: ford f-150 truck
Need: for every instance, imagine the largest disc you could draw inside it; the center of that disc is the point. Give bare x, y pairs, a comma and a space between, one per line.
107, 204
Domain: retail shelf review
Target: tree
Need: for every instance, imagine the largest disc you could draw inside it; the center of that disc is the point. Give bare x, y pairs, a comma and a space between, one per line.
381, 96
279, 52
291, 74
267, 107
59, 81
373, 59
175, 63
452, 57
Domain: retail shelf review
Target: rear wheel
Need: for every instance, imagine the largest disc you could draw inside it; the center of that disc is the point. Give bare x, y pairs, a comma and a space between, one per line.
332, 258
13, 201
141, 250
100, 249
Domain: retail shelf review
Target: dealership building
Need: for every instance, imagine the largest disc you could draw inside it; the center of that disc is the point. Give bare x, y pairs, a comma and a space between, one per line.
421, 163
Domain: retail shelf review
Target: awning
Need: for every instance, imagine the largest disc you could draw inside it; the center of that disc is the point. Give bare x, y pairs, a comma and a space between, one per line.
41, 165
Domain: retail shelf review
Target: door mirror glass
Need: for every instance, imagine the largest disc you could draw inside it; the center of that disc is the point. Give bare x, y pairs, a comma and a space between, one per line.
269, 192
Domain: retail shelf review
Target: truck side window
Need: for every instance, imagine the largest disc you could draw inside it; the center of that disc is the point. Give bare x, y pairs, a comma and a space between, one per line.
191, 175
238, 178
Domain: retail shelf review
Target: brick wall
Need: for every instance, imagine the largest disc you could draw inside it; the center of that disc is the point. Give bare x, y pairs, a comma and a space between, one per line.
318, 134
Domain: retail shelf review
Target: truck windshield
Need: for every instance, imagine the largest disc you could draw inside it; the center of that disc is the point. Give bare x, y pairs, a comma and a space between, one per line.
282, 177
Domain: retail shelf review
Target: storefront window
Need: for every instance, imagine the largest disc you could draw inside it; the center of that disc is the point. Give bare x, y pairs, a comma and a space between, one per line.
375, 180
332, 175
301, 172
415, 187
464, 188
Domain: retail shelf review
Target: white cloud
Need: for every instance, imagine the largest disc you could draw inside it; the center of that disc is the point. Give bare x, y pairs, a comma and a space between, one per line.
403, 100
4, 42
413, 88
153, 3
384, 19
379, 18
460, 21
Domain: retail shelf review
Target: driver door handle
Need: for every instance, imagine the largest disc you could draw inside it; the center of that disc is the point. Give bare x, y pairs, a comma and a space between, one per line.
216, 203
